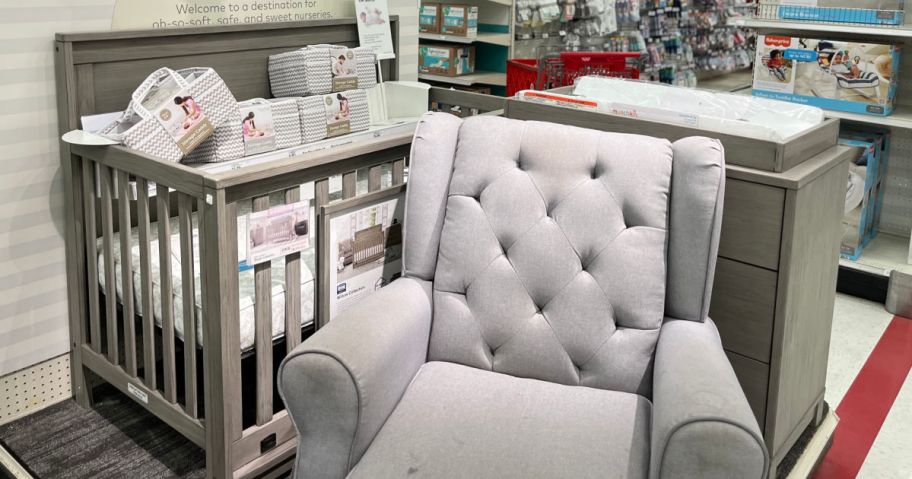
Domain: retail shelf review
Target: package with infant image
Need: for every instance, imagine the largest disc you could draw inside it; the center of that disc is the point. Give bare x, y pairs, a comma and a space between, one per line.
830, 74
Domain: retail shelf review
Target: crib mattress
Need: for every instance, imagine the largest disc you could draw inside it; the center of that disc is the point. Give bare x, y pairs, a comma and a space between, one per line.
246, 284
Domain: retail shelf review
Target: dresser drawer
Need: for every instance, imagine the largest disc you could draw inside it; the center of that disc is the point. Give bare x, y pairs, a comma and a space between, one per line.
744, 307
754, 379
752, 223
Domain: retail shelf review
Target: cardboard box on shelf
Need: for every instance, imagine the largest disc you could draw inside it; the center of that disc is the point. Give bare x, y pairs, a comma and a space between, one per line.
835, 75
446, 60
864, 189
459, 20
429, 18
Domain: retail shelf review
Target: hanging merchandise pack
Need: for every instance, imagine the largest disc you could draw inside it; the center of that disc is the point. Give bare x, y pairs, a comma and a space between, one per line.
334, 114
174, 112
321, 69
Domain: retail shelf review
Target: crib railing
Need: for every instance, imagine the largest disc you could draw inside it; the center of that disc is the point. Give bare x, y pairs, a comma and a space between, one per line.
119, 189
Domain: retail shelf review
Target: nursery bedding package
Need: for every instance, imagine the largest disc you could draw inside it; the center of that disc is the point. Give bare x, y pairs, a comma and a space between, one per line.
836, 75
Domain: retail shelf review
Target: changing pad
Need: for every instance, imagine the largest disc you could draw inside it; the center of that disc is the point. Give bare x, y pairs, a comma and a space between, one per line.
246, 283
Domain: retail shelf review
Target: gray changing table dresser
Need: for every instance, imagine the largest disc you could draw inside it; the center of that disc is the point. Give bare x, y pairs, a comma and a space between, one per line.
775, 281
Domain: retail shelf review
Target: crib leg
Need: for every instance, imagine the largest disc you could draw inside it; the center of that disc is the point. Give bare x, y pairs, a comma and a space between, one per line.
81, 382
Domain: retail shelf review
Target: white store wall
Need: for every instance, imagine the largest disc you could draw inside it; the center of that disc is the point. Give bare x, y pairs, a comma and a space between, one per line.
33, 309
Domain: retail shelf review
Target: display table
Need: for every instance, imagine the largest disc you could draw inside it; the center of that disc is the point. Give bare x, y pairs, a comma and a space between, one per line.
775, 281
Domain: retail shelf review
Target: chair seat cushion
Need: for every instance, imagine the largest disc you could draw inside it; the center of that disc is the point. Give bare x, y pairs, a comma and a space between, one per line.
456, 421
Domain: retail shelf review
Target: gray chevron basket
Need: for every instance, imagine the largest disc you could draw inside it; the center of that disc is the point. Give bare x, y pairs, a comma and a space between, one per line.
308, 71
137, 129
225, 144
314, 115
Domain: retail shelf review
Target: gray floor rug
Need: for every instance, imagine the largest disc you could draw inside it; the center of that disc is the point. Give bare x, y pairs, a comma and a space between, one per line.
116, 439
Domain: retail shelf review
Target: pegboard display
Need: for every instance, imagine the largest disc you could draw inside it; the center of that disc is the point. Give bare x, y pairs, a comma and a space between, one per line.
896, 216
678, 40
34, 388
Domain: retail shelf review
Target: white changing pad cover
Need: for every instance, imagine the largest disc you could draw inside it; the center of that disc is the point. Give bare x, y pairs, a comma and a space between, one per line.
246, 283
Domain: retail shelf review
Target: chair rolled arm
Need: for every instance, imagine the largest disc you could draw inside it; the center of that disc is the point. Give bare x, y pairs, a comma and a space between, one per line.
702, 424
342, 383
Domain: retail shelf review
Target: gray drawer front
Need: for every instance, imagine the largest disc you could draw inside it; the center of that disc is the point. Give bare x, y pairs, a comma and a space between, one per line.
743, 307
752, 223
754, 379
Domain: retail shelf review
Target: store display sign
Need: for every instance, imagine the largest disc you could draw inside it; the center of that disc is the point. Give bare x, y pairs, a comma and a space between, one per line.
259, 128
374, 28
363, 246
338, 115
277, 232
198, 13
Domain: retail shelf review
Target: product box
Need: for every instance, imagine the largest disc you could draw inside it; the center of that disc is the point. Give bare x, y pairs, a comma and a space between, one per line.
459, 20
864, 189
867, 12
446, 60
429, 18
830, 74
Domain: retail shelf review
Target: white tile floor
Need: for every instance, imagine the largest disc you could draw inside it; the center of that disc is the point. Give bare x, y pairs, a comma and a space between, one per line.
857, 326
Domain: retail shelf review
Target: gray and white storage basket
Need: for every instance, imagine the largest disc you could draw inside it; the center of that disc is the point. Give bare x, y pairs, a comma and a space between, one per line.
314, 124
137, 129
287, 122
225, 144
308, 71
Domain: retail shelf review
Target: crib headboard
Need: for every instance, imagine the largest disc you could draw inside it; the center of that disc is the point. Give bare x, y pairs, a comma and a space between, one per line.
101, 69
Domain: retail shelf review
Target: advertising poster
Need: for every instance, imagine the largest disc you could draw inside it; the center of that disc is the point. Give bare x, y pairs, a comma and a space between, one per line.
203, 13
364, 249
374, 28
277, 232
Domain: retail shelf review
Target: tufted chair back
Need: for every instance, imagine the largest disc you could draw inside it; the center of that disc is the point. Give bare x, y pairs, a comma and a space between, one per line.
549, 247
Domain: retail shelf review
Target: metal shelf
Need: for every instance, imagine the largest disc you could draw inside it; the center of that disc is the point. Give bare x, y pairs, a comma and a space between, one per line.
785, 26
483, 37
883, 254
900, 118
477, 78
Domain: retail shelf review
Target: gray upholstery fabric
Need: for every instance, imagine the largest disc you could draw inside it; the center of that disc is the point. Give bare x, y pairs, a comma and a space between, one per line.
343, 382
697, 190
434, 145
702, 425
460, 422
552, 265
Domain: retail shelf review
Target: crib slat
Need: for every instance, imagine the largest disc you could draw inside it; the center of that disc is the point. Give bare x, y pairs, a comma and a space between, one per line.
293, 284
349, 184
188, 291
263, 332
167, 296
126, 271
107, 235
375, 173
91, 245
145, 278
399, 171
321, 198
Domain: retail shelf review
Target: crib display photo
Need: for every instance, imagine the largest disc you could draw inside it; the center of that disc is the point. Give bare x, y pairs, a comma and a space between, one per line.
836, 75
363, 247
277, 232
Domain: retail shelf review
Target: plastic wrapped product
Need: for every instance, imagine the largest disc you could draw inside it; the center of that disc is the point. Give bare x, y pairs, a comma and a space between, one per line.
172, 113
321, 69
333, 114
226, 144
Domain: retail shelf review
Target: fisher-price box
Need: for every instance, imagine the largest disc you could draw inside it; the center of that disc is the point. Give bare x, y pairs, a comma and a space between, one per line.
830, 74
864, 189
446, 60
459, 20
429, 18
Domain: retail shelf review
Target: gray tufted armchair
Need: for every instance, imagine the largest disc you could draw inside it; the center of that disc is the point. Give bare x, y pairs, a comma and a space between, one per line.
551, 320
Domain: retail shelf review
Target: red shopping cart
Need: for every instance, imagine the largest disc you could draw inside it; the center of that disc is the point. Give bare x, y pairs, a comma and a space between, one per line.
561, 69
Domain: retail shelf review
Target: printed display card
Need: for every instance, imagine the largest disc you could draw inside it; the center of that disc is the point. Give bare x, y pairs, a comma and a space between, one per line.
259, 128
344, 69
277, 232
337, 115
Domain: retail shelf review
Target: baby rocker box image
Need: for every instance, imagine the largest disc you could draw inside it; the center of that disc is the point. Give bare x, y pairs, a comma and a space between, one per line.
836, 75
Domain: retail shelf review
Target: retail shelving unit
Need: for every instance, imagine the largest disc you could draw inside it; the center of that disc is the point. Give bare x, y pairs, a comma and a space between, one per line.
493, 46
884, 264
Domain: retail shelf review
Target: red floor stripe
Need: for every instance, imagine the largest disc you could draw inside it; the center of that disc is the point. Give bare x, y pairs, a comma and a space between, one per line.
867, 402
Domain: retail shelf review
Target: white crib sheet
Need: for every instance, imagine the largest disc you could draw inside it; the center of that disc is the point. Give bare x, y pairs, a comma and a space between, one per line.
245, 282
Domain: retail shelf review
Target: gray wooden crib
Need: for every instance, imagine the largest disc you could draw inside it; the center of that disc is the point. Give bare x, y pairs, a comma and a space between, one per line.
116, 338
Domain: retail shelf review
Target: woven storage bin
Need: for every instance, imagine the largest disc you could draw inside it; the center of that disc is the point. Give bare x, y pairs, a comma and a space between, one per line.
308, 71
287, 122
225, 144
313, 114
137, 129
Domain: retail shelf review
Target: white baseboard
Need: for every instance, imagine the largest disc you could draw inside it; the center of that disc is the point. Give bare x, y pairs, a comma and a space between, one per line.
34, 388
816, 448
